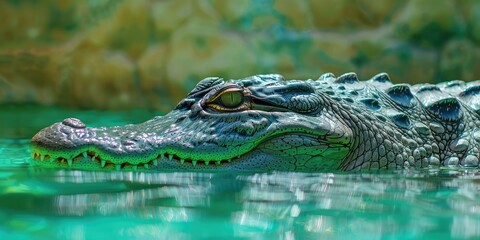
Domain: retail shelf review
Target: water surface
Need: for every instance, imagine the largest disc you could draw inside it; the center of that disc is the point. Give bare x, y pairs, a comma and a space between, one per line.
40, 203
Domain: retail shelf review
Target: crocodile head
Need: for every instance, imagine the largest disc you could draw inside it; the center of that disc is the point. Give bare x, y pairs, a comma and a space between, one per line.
257, 123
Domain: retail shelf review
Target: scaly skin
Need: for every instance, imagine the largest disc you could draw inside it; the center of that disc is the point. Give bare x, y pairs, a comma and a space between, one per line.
265, 123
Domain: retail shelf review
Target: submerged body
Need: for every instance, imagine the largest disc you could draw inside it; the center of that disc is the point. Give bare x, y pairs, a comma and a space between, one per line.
265, 123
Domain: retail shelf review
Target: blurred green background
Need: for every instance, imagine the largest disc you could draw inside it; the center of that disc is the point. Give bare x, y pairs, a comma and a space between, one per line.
147, 54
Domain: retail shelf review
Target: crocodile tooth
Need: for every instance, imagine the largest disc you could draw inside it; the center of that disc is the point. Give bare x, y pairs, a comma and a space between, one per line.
155, 162
52, 159
170, 156
162, 157
229, 160
103, 163
206, 163
70, 162
85, 155
134, 167
42, 157
182, 160
93, 158
194, 162
217, 163
145, 165
118, 167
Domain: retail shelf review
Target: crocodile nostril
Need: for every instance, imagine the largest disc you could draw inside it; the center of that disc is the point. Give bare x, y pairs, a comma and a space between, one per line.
74, 123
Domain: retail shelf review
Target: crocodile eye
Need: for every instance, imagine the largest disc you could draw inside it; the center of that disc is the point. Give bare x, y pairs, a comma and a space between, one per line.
231, 99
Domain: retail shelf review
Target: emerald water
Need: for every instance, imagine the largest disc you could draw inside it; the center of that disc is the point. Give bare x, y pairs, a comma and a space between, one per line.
40, 203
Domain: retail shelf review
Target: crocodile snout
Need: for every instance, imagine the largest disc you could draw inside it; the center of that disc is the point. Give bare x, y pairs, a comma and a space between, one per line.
61, 135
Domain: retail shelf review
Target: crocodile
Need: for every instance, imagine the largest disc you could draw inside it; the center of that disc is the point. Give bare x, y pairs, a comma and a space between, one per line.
267, 123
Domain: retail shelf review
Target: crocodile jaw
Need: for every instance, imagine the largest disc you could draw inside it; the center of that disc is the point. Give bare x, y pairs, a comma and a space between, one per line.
176, 142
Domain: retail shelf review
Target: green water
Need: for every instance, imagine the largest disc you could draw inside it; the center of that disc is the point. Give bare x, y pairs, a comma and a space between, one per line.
59, 204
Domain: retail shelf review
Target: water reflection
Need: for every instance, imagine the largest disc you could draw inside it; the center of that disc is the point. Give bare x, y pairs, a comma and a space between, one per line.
408, 204
138, 191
